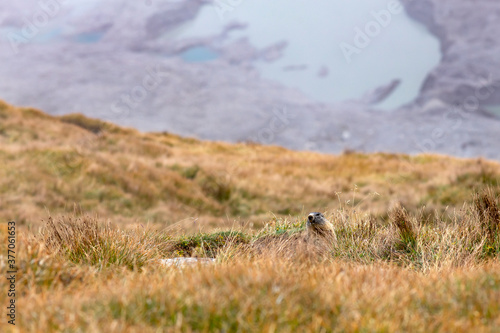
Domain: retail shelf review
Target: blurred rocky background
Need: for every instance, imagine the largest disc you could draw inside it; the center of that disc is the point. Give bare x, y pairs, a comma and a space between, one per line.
393, 76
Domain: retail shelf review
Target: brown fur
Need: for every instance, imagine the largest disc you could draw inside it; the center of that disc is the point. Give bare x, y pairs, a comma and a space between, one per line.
317, 225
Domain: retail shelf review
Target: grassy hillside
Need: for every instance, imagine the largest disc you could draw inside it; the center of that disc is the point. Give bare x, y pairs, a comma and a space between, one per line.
52, 165
416, 246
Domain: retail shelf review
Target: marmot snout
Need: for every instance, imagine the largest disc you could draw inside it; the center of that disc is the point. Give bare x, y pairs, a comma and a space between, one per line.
317, 224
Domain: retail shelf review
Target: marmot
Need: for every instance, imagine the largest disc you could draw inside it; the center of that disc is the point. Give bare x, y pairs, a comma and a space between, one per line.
318, 225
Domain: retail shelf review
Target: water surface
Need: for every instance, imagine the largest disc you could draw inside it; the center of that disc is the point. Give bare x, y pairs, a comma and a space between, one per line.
315, 31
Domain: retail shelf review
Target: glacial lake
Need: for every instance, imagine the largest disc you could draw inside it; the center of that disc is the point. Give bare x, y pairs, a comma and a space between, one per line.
199, 54
314, 61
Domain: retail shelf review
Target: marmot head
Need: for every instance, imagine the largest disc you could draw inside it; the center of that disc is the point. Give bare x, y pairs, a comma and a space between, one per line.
316, 219
318, 225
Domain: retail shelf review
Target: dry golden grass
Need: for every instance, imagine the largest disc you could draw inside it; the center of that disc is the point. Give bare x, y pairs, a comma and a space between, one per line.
416, 247
88, 276
50, 164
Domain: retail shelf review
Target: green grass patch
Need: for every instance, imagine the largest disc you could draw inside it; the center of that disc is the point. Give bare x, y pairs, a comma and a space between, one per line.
207, 244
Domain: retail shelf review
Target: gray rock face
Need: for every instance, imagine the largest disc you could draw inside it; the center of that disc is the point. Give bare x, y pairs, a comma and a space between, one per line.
469, 33
137, 72
458, 94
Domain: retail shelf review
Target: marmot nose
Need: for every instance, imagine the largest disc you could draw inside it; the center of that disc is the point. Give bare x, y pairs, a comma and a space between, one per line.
310, 217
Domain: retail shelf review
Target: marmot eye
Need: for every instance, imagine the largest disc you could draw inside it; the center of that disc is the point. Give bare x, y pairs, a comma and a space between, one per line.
310, 217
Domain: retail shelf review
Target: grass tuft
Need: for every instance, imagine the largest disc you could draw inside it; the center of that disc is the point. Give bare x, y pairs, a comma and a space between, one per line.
401, 219
84, 240
488, 210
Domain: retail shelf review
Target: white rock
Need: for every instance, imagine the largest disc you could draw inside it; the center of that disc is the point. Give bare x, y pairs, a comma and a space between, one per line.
182, 262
